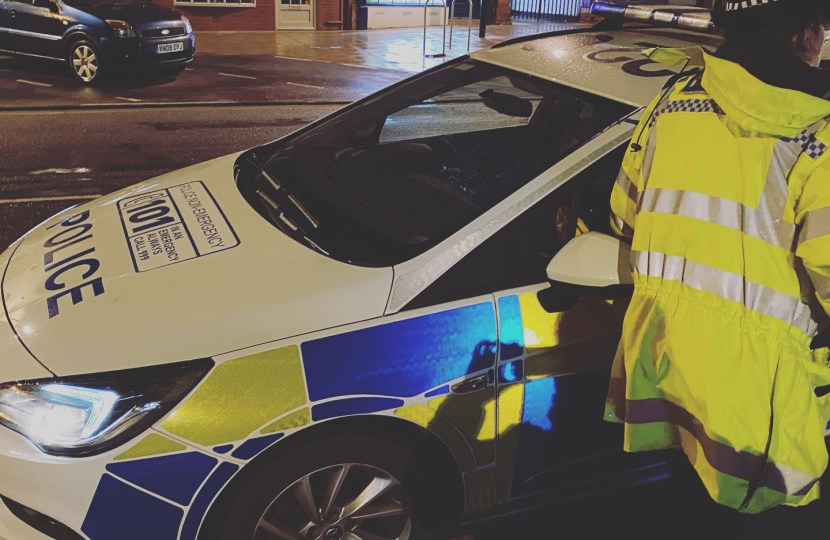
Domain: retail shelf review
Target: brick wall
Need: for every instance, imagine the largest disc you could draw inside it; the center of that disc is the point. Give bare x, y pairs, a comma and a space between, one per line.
261, 17
327, 12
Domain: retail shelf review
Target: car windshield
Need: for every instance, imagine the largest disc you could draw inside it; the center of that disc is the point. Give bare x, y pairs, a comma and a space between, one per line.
399, 172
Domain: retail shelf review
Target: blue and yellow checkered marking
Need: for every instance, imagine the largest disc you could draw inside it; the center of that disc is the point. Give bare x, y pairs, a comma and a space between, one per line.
360, 372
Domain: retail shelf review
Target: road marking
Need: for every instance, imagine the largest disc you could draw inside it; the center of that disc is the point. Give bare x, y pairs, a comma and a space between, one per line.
77, 170
359, 66
131, 99
303, 59
234, 75
306, 85
33, 83
44, 199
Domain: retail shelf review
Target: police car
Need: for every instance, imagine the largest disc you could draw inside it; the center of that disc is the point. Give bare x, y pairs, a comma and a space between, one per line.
349, 333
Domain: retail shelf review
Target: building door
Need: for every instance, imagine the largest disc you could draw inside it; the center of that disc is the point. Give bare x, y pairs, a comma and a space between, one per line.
296, 15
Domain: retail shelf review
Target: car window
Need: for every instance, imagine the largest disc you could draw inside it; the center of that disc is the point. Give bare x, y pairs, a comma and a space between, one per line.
519, 253
468, 109
398, 173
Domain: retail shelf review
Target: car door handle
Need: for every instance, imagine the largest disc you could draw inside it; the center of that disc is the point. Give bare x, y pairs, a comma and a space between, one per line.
13, 13
470, 385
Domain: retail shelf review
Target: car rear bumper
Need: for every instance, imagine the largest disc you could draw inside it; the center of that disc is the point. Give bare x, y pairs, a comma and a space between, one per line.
142, 53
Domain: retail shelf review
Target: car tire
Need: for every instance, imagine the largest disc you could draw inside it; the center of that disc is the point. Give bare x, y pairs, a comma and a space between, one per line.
84, 60
271, 492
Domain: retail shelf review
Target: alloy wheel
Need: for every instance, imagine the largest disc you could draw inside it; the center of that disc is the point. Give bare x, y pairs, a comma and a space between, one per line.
342, 502
85, 63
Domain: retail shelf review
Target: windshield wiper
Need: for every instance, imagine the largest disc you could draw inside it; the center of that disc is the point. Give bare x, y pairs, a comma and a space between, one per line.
283, 223
280, 188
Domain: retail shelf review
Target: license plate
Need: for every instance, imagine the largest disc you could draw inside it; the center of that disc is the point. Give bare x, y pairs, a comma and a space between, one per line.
169, 47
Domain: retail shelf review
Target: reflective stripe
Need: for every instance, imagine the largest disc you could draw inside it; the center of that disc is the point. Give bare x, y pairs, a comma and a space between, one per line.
621, 225
821, 284
751, 221
721, 457
627, 186
816, 224
726, 285
764, 222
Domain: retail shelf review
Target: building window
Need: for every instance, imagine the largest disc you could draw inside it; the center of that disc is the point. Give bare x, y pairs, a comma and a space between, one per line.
216, 3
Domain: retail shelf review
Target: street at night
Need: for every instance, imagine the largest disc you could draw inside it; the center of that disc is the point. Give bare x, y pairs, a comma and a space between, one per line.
510, 438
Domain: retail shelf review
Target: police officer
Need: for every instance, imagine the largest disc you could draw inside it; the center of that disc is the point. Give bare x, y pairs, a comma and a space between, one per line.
725, 196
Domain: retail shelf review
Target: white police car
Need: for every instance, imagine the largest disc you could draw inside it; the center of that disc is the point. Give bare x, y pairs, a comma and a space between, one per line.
344, 334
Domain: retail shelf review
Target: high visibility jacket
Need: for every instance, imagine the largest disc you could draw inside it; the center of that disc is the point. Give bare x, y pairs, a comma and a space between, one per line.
725, 194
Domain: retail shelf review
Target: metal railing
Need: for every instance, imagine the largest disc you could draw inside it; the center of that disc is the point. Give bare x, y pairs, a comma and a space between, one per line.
469, 21
443, 35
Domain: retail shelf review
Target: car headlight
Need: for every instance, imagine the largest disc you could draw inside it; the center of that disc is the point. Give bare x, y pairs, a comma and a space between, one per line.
187, 26
90, 414
122, 29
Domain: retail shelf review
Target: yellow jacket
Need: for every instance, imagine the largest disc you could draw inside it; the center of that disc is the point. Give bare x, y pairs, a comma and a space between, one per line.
727, 203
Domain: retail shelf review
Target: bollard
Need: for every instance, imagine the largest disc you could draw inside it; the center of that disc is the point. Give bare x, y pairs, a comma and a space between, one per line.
443, 35
469, 21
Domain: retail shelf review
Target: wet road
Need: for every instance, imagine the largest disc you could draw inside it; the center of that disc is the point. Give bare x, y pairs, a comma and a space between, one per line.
54, 159
61, 145
209, 79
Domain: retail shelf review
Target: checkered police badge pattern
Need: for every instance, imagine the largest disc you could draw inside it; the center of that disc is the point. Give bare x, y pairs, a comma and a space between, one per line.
689, 106
806, 141
746, 4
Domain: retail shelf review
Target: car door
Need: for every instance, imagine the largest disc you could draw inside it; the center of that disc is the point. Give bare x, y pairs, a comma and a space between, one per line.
556, 353
432, 366
5, 45
35, 27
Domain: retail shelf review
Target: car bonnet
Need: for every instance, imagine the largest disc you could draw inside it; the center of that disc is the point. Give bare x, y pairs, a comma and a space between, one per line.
175, 268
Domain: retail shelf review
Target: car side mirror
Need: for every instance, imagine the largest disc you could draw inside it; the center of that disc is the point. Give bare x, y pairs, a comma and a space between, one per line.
591, 265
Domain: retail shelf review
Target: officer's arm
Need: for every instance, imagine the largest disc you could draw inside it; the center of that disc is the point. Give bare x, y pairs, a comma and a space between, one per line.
633, 177
812, 214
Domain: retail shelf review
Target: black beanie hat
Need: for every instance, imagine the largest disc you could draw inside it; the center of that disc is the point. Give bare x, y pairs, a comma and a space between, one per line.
745, 13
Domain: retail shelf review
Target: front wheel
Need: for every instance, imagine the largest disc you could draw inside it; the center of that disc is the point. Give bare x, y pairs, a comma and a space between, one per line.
85, 62
340, 489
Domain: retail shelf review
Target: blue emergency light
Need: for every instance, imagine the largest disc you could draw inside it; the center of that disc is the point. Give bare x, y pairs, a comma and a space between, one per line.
689, 18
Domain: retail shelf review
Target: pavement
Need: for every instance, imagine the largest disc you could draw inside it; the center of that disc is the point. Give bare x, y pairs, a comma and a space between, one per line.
62, 144
400, 48
255, 68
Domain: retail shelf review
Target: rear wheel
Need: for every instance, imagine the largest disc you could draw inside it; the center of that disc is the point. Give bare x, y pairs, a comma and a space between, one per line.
336, 489
85, 62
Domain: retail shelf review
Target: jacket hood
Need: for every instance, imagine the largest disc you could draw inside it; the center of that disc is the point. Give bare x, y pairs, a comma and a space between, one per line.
172, 269
752, 104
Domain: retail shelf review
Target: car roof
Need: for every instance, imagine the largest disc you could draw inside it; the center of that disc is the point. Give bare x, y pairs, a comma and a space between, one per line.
606, 63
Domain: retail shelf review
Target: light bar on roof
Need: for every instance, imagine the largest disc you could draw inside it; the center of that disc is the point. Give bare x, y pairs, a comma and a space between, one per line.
675, 16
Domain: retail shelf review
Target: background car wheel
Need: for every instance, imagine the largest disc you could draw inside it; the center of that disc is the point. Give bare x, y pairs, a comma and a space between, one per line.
85, 62
335, 489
